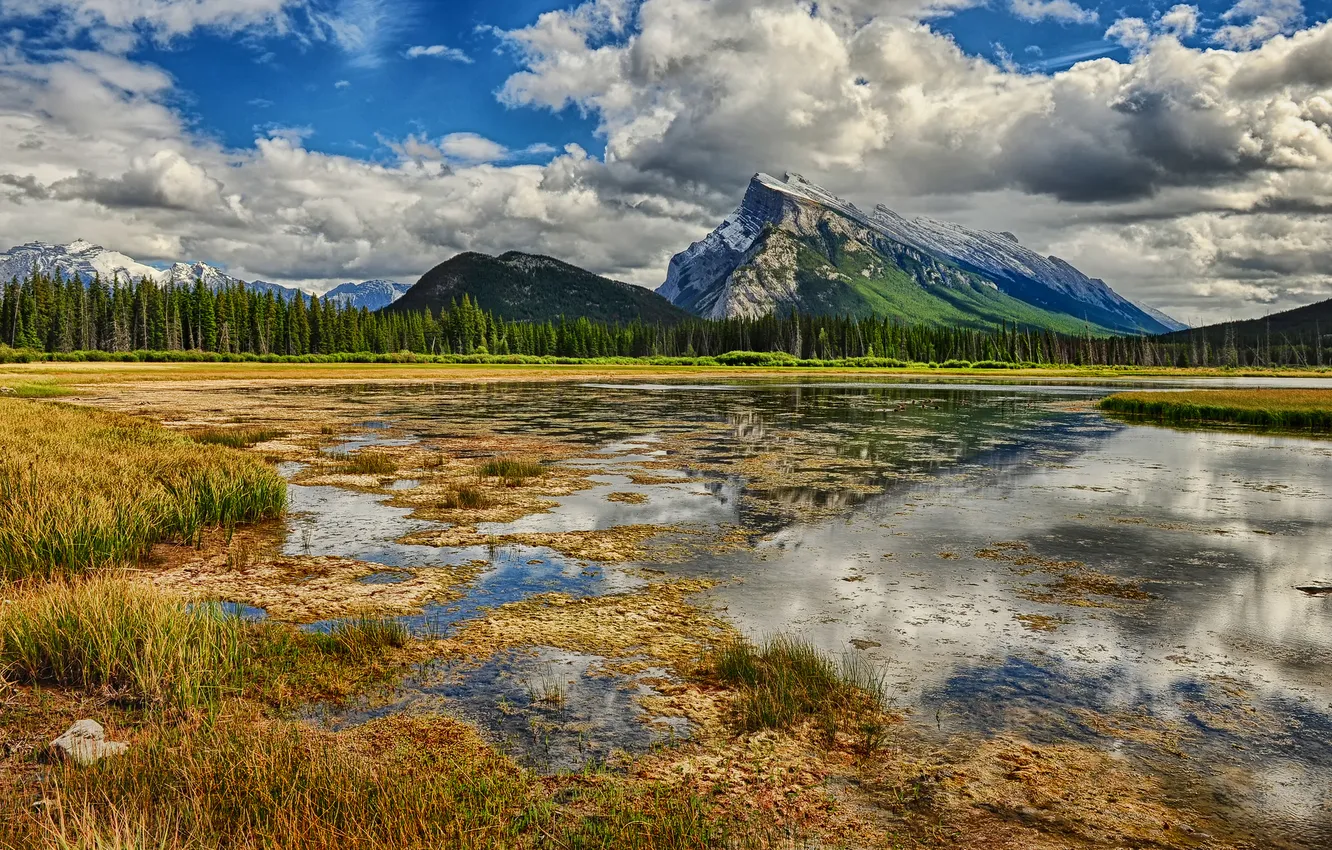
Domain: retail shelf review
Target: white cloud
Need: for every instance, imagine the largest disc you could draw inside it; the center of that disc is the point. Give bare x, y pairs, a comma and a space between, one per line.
1263, 19
1180, 21
438, 51
1064, 11
114, 21
1133, 33
342, 84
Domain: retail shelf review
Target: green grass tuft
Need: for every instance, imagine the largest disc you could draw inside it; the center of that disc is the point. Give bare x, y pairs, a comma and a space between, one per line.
468, 497
113, 636
511, 469
368, 463
361, 637
82, 489
786, 680
236, 438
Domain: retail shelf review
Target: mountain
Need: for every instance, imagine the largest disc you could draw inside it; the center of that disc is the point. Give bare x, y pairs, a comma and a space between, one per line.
793, 245
86, 259
1300, 326
520, 286
370, 294
79, 257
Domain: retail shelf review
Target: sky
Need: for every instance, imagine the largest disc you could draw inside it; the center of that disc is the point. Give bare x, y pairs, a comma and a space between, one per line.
1183, 153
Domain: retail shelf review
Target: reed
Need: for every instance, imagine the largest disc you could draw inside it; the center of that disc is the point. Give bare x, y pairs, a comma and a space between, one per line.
368, 463
108, 634
360, 637
466, 496
82, 489
786, 679
1280, 409
236, 438
511, 469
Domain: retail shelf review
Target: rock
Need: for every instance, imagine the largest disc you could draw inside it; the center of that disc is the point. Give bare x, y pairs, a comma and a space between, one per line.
7, 391
85, 743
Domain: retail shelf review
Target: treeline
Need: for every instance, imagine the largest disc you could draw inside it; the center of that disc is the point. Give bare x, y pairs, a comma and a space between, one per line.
57, 316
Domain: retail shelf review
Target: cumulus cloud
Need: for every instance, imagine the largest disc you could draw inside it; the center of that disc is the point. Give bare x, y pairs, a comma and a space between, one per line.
1064, 11
438, 51
1252, 22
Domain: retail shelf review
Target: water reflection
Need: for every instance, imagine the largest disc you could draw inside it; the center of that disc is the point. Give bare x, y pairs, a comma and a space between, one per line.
869, 503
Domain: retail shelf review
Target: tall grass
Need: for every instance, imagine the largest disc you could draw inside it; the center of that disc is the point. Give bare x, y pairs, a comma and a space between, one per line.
236, 438
82, 489
511, 469
367, 463
1294, 409
360, 637
111, 635
399, 783
786, 680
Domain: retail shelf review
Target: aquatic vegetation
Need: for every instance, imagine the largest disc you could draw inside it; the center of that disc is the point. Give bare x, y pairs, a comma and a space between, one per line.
82, 489
513, 470
37, 389
394, 783
627, 498
1287, 409
367, 463
113, 635
466, 496
362, 636
236, 438
786, 679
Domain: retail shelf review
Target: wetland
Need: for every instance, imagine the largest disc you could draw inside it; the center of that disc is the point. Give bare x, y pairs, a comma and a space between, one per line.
1059, 629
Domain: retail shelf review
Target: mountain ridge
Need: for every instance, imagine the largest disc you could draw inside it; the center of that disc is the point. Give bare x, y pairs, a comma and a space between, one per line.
86, 259
960, 275
533, 287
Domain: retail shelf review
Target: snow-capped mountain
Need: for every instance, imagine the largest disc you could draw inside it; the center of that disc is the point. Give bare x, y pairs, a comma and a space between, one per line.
370, 294
793, 245
86, 259
79, 257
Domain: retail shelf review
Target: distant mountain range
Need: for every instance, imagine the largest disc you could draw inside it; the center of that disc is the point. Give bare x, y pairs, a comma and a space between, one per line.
86, 259
792, 245
519, 286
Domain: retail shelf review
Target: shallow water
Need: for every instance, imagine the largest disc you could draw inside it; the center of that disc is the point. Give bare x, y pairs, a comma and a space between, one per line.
866, 536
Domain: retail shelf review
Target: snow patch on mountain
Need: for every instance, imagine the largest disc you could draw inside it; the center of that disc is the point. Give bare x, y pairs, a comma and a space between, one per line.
370, 294
701, 278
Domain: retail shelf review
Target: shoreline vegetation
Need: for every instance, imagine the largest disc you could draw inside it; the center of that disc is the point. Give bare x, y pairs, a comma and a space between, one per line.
1274, 409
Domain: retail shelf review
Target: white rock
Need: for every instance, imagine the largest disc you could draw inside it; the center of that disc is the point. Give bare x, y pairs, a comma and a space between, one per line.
85, 743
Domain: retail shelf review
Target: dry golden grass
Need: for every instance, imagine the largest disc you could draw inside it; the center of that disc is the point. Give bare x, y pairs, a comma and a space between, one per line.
81, 489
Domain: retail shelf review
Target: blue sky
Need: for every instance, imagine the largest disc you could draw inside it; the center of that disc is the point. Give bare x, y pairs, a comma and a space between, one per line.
1187, 159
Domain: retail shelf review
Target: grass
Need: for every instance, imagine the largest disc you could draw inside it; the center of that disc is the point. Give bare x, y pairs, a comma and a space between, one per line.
111, 635
1292, 410
82, 489
394, 783
468, 497
39, 389
367, 463
512, 470
786, 680
236, 438
360, 637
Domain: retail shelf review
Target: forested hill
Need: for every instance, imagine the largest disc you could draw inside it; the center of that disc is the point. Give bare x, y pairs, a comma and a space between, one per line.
529, 287
1300, 336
